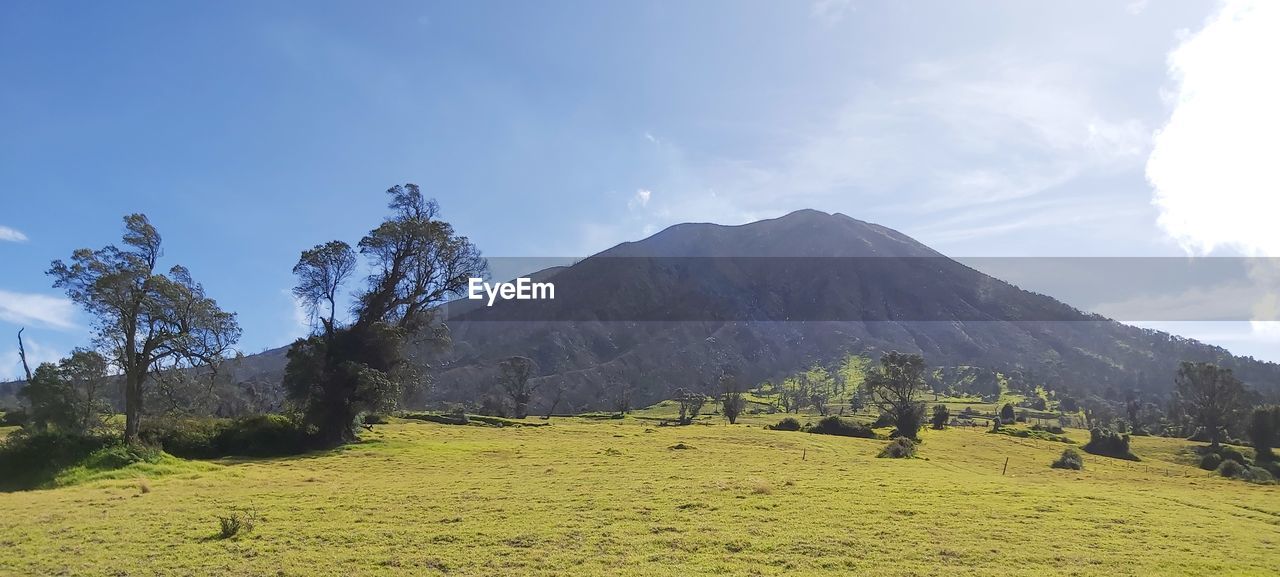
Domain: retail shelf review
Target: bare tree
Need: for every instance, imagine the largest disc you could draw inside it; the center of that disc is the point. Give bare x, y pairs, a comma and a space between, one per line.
146, 320
556, 397
691, 403
515, 373
22, 354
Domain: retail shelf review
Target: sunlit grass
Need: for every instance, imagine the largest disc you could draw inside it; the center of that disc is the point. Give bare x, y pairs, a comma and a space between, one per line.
612, 497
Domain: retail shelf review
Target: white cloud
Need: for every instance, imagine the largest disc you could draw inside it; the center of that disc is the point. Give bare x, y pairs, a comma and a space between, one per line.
640, 199
11, 234
301, 315
37, 309
1213, 166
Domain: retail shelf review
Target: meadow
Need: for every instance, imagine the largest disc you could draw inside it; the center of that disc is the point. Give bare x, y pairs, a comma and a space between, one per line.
598, 496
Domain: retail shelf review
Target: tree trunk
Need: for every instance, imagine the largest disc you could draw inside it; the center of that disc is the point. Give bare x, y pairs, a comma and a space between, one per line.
132, 406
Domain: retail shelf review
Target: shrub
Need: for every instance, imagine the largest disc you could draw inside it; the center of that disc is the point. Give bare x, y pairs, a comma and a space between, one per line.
192, 438
787, 424
941, 414
1210, 461
884, 420
14, 418
1070, 459
264, 436
374, 419
1257, 475
235, 523
30, 460
1007, 414
1233, 455
834, 425
1108, 443
1230, 468
899, 448
1055, 429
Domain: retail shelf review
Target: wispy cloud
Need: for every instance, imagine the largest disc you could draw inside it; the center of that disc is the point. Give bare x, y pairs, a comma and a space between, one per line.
11, 234
11, 363
301, 315
37, 309
831, 12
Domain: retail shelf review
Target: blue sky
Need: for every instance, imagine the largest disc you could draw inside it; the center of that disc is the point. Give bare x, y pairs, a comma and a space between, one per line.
248, 131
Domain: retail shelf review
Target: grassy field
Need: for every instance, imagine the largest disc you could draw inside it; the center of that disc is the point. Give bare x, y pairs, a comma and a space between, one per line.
611, 497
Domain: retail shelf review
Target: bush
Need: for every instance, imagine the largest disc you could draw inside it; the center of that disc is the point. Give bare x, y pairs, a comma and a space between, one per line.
1210, 461
253, 436
14, 418
30, 460
1070, 459
834, 425
899, 448
1108, 443
941, 414
884, 420
787, 424
235, 523
374, 419
1055, 429
1231, 454
1230, 468
1257, 475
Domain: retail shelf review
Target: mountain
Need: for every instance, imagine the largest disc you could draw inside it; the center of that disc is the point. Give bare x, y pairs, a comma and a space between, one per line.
768, 298
765, 300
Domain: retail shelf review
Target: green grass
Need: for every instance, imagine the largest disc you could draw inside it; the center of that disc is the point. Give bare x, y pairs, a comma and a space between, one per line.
611, 497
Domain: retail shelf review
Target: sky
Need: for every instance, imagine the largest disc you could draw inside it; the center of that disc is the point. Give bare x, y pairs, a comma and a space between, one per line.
249, 131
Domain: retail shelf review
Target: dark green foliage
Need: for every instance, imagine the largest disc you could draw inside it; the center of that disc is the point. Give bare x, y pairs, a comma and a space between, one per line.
1108, 443
1210, 461
1007, 414
1230, 468
909, 422
14, 418
31, 459
1070, 459
1264, 431
252, 436
834, 425
899, 448
1210, 395
1055, 429
787, 424
374, 419
1031, 434
1229, 453
1068, 405
941, 415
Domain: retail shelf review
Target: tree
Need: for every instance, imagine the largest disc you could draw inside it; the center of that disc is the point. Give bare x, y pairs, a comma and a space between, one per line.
691, 403
418, 262
557, 397
1007, 414
793, 395
146, 321
65, 395
1211, 395
1264, 431
941, 416
321, 272
820, 386
731, 397
1068, 405
514, 379
895, 388
51, 400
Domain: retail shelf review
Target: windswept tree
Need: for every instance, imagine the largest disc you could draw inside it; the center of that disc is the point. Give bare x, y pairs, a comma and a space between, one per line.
146, 321
731, 397
896, 388
514, 378
418, 262
1210, 395
321, 272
